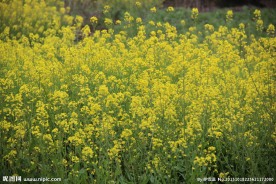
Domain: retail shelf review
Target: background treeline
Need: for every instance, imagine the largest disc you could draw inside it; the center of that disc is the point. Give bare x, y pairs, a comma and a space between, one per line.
84, 7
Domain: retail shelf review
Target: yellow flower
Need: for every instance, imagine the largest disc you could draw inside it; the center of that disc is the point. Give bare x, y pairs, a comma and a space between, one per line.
152, 23
217, 134
75, 140
106, 9
86, 30
79, 20
87, 153
159, 24
94, 20
75, 159
108, 22
229, 16
6, 31
138, 20
118, 22
128, 18
223, 175
138, 4
114, 151
170, 9
211, 148
257, 14
20, 131
156, 142
64, 162
126, 133
103, 91
5, 125
259, 25
47, 138
156, 162
194, 13
271, 29
36, 149
209, 27
153, 9
62, 10
11, 155
241, 26
55, 130
142, 94
153, 33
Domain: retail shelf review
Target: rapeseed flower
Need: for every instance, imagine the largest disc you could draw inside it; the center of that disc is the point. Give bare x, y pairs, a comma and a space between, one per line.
153, 9
170, 9
106, 9
194, 14
94, 20
134, 100
108, 22
87, 153
271, 29
138, 4
229, 16
257, 14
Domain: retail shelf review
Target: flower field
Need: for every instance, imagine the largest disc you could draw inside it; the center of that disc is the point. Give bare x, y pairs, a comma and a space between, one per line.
138, 101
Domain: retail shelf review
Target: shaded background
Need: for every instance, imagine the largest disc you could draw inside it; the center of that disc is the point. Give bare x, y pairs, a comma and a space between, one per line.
88, 8
210, 4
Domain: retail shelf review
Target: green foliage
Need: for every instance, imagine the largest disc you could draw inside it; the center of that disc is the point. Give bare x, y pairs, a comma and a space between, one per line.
181, 19
116, 8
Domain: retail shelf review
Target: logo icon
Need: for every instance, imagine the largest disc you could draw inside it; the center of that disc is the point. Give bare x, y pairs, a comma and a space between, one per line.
12, 178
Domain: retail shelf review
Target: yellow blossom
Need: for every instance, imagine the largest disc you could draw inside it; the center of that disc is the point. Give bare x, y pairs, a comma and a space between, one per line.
170, 9
153, 9
94, 20
194, 13
229, 16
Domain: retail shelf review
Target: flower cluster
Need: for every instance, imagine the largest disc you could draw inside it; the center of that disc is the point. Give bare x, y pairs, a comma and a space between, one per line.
157, 106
